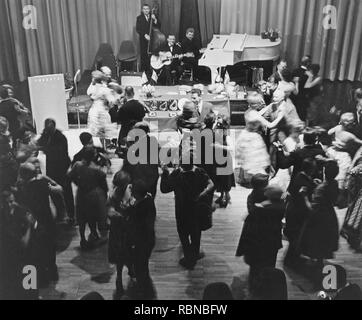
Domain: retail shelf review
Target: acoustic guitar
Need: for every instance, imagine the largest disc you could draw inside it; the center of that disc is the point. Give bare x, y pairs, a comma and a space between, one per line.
166, 58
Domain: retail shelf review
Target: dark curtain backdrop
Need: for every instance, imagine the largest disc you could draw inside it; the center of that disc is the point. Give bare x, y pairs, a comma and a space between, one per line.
68, 35
170, 14
300, 22
189, 18
209, 16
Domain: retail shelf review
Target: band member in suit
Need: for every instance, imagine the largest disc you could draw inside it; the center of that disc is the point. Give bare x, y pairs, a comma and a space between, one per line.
175, 68
203, 108
190, 45
300, 78
143, 29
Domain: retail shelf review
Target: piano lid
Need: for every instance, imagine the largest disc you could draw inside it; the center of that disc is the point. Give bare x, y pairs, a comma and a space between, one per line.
236, 42
224, 50
218, 42
233, 42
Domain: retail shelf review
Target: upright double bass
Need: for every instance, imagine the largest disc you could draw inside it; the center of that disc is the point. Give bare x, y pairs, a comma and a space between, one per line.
157, 38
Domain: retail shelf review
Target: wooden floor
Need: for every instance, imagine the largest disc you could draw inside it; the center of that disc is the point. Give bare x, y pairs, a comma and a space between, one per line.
82, 272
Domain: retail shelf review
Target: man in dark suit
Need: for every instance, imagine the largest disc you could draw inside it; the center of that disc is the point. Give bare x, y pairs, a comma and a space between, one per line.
300, 77
311, 149
190, 45
174, 70
203, 108
55, 146
143, 29
129, 114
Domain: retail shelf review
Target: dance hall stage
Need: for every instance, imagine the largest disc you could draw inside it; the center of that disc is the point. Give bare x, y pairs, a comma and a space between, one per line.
164, 107
82, 272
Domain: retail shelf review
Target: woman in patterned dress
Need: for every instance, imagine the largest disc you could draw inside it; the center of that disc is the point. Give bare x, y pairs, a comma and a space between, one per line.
99, 119
251, 152
352, 228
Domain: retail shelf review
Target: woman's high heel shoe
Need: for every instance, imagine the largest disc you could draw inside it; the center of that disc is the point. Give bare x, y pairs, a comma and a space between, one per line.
219, 200
224, 203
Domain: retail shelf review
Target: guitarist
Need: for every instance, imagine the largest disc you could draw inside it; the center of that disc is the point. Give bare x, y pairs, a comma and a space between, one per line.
175, 68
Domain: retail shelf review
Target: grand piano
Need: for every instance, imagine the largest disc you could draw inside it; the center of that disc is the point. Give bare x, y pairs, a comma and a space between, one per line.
228, 50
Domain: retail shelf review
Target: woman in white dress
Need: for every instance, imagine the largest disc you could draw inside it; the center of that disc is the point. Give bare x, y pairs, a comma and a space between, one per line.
99, 119
344, 144
251, 153
289, 88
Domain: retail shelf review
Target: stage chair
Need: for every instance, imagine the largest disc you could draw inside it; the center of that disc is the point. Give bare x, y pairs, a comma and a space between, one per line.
78, 103
105, 58
188, 74
76, 81
127, 54
133, 79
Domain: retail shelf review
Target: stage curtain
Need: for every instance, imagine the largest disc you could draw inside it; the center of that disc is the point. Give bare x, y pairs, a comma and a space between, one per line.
169, 13
67, 37
338, 51
178, 15
209, 16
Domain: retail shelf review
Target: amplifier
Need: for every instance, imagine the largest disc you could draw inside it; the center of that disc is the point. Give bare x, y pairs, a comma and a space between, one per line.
133, 79
237, 112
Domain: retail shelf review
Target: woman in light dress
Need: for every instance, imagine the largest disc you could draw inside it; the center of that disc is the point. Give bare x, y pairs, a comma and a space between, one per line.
99, 119
345, 143
287, 85
282, 110
251, 153
289, 88
352, 227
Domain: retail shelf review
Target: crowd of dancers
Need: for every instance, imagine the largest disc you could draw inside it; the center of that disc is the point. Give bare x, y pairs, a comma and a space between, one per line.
298, 175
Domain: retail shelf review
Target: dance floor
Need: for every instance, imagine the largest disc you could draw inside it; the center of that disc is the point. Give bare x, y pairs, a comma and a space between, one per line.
82, 272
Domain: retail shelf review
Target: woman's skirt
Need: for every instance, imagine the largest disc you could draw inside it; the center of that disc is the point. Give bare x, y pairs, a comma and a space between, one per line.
91, 206
119, 248
320, 234
352, 228
251, 153
344, 161
99, 121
